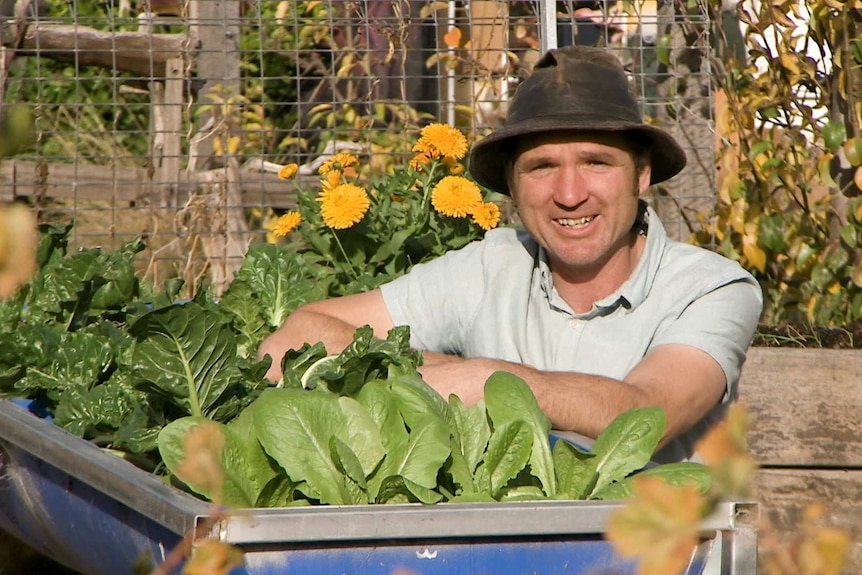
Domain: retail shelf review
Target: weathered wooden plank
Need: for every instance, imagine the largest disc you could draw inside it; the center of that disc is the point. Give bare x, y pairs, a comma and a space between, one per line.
22, 179
805, 406
784, 494
141, 53
65, 181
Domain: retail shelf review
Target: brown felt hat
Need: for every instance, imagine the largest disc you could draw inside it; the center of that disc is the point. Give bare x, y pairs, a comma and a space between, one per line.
573, 88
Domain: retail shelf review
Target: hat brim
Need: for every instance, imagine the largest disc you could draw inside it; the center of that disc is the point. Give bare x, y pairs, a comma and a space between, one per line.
488, 162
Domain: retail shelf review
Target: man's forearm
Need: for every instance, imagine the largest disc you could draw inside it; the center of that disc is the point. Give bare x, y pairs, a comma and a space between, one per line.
332, 322
684, 381
304, 326
572, 401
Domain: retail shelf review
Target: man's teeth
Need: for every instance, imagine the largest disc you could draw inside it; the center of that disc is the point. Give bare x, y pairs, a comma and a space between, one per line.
575, 223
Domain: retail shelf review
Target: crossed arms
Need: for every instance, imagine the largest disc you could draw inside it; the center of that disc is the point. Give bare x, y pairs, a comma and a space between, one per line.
685, 381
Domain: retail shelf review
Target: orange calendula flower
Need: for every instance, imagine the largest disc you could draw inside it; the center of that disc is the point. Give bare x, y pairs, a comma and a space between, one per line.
339, 161
442, 140
286, 223
343, 206
288, 171
456, 197
487, 215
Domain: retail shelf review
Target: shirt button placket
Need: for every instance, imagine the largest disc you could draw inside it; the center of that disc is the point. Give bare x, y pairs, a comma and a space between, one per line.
570, 344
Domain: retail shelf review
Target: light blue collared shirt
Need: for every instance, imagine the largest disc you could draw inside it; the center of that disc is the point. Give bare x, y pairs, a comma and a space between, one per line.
495, 298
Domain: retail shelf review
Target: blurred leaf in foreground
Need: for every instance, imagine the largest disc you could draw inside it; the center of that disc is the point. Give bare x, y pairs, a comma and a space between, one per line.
658, 527
18, 240
725, 450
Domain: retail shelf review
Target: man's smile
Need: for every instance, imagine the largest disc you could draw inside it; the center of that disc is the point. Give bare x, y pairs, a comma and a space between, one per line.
575, 223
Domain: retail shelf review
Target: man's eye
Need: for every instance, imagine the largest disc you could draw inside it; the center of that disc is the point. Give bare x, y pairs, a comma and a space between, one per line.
540, 166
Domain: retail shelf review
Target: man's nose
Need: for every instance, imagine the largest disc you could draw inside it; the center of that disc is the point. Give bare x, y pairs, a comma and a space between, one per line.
572, 188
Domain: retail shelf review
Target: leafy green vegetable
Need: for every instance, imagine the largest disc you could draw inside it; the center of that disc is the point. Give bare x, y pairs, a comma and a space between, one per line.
681, 473
471, 429
508, 399
508, 453
185, 354
270, 284
240, 484
626, 445
574, 471
295, 427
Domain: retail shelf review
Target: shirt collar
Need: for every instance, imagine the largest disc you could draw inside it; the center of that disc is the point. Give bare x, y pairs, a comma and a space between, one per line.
634, 290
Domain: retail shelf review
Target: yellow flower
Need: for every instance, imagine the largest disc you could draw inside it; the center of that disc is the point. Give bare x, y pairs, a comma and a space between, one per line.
286, 223
331, 179
339, 161
442, 140
288, 171
343, 206
456, 196
455, 167
487, 215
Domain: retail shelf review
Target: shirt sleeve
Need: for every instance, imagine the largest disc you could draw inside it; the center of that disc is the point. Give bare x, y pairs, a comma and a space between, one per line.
722, 323
439, 299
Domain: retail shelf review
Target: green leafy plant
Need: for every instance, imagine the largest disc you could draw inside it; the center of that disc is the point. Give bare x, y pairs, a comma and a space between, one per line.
136, 371
367, 429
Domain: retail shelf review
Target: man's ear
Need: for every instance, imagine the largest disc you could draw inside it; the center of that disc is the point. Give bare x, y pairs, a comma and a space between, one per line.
510, 181
644, 179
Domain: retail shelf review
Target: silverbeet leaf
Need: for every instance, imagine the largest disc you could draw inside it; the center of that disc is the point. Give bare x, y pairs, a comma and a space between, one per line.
272, 282
186, 354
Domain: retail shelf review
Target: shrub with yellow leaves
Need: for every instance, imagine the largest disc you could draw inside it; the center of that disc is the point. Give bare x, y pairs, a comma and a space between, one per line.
365, 230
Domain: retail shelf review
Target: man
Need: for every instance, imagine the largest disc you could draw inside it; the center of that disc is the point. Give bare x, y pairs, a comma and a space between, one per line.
592, 304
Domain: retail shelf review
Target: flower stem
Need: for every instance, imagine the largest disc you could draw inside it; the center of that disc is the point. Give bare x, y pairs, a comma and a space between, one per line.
343, 253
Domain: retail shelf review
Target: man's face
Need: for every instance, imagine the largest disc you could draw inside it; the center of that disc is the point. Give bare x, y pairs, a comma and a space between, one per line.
577, 194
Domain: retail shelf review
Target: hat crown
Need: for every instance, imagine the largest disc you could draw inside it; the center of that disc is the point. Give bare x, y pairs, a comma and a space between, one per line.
586, 85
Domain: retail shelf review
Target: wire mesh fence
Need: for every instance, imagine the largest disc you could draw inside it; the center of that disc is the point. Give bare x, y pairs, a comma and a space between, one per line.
170, 119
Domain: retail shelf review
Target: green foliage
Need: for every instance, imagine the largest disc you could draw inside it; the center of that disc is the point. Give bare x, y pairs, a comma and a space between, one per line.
81, 112
394, 439
272, 282
790, 174
140, 372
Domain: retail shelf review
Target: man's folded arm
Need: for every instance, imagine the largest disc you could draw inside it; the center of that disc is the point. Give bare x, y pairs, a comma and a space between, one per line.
332, 322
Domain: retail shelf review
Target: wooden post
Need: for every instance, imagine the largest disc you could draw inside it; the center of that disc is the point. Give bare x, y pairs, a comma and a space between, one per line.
214, 27
167, 122
488, 41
